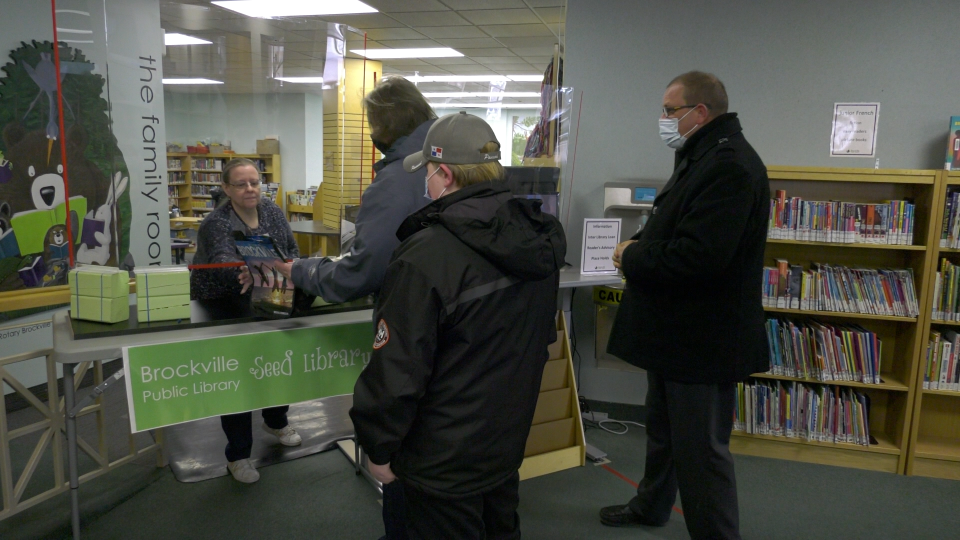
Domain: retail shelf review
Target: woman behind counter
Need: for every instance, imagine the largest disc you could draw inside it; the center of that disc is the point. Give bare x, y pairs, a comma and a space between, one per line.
248, 212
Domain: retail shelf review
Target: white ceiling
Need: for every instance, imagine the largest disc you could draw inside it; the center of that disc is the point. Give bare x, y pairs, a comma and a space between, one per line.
496, 37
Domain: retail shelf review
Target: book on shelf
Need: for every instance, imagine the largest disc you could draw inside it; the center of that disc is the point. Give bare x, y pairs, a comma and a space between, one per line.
942, 367
887, 292
946, 293
174, 163
888, 222
811, 412
208, 164
823, 352
953, 145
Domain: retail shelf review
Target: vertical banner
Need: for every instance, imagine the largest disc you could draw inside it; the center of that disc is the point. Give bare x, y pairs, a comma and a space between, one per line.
109, 80
183, 381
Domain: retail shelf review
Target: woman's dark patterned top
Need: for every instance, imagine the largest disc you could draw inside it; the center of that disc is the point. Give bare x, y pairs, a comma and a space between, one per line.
215, 244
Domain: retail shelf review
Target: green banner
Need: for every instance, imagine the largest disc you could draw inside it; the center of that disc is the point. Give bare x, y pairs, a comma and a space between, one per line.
183, 381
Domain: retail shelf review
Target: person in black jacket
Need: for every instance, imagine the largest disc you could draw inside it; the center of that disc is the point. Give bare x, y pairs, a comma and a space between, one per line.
463, 322
692, 314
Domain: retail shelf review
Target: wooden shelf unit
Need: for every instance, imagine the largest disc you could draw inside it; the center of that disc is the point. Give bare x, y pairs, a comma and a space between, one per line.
192, 205
934, 448
903, 338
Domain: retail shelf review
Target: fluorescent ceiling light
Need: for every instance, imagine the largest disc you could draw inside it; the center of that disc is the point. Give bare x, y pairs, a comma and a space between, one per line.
191, 81
480, 94
474, 78
496, 105
315, 80
269, 9
181, 39
433, 52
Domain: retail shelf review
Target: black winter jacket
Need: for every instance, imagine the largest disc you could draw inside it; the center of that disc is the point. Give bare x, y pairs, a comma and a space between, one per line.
463, 320
393, 195
692, 311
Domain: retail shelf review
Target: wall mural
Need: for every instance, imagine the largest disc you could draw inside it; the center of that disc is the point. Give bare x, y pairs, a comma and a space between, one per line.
34, 242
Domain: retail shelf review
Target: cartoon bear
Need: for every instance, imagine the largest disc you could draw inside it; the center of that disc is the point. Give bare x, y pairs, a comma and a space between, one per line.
37, 171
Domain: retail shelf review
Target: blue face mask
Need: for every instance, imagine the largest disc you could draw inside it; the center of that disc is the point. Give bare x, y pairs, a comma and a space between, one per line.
426, 186
670, 131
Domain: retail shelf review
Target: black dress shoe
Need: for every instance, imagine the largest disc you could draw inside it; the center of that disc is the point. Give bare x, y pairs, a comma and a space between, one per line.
622, 516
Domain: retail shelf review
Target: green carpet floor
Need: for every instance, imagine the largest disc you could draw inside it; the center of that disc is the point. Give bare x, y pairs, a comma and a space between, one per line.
320, 497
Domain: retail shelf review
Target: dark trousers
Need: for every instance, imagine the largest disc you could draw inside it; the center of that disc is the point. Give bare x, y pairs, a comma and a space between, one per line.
394, 511
239, 430
688, 448
491, 515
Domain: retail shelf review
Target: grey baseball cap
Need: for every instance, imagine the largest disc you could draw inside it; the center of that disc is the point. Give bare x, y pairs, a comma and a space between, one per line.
456, 139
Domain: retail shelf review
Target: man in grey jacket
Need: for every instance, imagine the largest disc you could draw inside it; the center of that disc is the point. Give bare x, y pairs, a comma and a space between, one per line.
399, 118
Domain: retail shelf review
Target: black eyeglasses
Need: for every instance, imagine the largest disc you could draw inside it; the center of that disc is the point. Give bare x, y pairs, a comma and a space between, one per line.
667, 111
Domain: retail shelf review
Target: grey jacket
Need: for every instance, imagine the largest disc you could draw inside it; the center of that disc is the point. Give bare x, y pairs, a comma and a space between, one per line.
393, 195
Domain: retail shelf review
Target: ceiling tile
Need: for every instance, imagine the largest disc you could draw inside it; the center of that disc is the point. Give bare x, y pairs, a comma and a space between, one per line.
518, 30
365, 21
514, 42
395, 6
409, 44
490, 4
470, 43
406, 63
499, 59
551, 15
430, 18
461, 61
500, 16
438, 32
532, 51
546, 3
394, 33
486, 52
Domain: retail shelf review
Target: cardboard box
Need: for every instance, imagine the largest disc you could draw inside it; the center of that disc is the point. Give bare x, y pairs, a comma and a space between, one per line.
99, 309
99, 282
161, 281
268, 146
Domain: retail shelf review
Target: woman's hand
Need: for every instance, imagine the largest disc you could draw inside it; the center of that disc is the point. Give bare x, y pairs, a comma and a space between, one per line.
245, 278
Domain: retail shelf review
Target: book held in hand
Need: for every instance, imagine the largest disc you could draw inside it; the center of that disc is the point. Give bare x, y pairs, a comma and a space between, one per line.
272, 294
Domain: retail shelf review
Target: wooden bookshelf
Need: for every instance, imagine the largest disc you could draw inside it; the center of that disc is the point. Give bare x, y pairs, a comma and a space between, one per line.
198, 205
903, 338
934, 447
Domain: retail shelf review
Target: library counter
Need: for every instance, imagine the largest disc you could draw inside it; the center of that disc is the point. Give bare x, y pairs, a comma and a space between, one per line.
79, 341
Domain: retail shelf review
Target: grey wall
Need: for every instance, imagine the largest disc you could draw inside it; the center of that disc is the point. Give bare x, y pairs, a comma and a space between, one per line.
784, 65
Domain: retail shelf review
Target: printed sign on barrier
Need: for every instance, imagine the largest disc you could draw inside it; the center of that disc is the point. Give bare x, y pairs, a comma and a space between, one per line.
183, 381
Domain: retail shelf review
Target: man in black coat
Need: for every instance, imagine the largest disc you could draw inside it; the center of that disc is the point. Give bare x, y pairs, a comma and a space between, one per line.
692, 313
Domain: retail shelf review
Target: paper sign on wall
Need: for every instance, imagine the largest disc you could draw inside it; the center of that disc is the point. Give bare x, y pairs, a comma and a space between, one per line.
600, 238
854, 129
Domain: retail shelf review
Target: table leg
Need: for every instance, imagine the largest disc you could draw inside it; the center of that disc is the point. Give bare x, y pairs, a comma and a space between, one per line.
71, 425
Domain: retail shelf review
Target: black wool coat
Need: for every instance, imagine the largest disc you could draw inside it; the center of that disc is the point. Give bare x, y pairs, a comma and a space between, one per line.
692, 310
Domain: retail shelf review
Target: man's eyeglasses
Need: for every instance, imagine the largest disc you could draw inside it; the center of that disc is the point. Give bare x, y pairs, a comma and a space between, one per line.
667, 111
241, 185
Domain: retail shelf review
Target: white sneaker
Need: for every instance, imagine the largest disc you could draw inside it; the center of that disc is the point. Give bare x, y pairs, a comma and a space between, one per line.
287, 435
243, 471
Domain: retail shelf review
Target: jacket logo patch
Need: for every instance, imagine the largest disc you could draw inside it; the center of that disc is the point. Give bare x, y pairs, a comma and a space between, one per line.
383, 335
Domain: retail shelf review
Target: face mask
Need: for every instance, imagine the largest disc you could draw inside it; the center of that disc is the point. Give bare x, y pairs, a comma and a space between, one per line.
670, 131
426, 186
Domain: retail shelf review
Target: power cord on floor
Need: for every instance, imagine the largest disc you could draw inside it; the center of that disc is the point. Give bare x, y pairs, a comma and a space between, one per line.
598, 419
